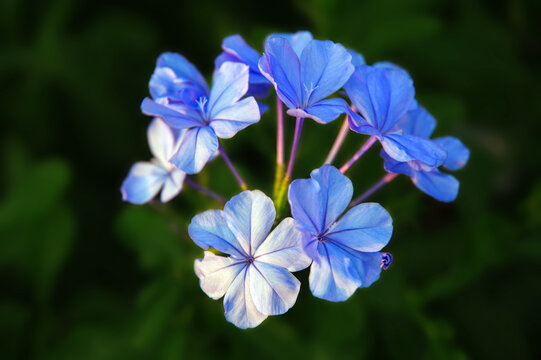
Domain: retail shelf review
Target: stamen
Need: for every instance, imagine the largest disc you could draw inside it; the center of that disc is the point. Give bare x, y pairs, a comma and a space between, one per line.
201, 102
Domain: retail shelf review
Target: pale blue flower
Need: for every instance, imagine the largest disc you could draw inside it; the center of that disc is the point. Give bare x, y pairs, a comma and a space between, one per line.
344, 250
146, 179
383, 94
255, 278
306, 75
221, 113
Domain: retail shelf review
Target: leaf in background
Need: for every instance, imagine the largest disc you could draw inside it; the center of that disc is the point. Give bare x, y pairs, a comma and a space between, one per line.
40, 189
153, 314
36, 227
14, 319
149, 234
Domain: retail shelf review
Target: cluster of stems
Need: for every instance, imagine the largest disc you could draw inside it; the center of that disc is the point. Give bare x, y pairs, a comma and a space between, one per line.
283, 178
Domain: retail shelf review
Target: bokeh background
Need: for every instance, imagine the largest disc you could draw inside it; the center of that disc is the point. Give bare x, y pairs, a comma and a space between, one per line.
85, 276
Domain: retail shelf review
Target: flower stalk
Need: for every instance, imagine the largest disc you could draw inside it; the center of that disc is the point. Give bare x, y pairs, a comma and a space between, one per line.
363, 149
229, 163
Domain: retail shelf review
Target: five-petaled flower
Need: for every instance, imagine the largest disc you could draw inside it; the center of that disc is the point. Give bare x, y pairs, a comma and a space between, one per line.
145, 179
429, 179
255, 278
345, 251
218, 114
383, 95
303, 81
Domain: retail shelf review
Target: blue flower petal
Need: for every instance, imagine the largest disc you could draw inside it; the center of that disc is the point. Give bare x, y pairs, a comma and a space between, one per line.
366, 227
216, 273
326, 111
339, 271
197, 146
234, 118
143, 182
336, 191
185, 71
274, 290
178, 116
397, 167
389, 65
298, 40
407, 147
239, 49
306, 205
356, 58
381, 95
238, 303
281, 66
358, 124
440, 186
326, 66
172, 185
317, 202
224, 57
418, 122
250, 216
230, 83
262, 108
209, 229
457, 153
283, 247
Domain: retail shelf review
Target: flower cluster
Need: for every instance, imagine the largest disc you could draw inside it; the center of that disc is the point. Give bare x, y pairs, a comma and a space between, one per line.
245, 260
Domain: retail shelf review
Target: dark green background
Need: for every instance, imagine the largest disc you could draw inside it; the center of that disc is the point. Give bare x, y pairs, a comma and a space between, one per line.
85, 276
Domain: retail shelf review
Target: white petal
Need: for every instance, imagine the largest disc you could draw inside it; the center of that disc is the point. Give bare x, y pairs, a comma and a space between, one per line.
216, 273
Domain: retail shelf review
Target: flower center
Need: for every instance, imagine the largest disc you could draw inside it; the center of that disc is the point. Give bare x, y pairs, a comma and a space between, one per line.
250, 259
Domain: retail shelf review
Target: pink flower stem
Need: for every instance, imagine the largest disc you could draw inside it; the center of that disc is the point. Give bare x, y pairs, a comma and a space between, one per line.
200, 188
296, 139
279, 133
385, 180
222, 152
364, 148
338, 141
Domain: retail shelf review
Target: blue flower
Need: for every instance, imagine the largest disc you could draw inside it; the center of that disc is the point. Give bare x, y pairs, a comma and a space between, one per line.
218, 114
255, 279
429, 179
345, 251
235, 49
177, 79
303, 80
383, 95
145, 179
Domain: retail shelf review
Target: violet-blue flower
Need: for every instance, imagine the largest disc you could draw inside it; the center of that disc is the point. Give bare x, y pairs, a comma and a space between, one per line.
345, 250
218, 114
383, 95
430, 180
303, 81
255, 278
146, 179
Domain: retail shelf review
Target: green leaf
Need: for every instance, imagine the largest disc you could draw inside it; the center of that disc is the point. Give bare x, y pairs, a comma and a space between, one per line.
150, 235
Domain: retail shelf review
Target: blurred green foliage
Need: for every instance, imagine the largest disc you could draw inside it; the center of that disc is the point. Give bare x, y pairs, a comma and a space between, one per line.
84, 276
